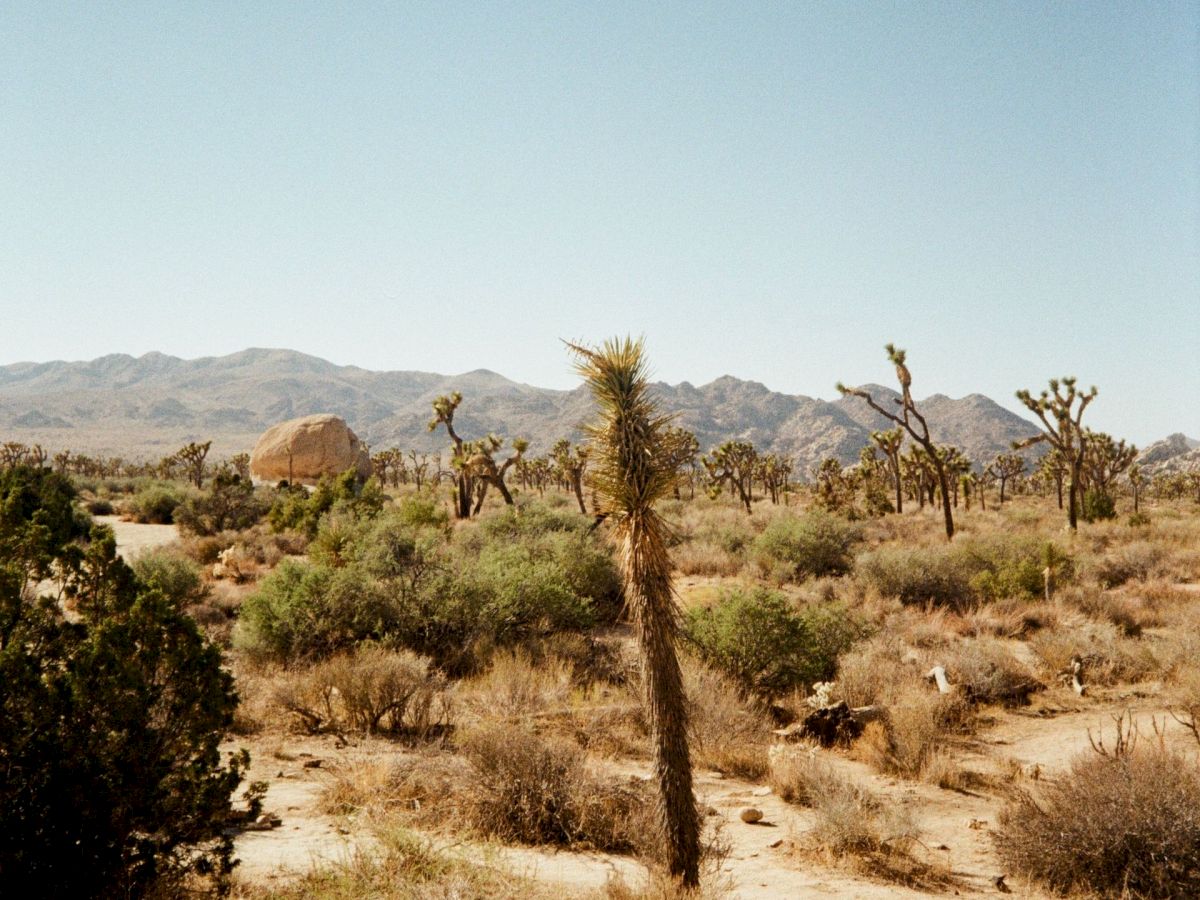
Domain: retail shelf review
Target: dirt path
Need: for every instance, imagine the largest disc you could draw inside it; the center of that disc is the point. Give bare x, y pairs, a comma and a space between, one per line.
134, 537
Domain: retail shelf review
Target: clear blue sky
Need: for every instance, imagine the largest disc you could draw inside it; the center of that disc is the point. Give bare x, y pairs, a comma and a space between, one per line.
1009, 190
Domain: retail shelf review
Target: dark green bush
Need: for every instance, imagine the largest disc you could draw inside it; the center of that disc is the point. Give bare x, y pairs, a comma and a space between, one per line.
176, 577
156, 503
1097, 506
809, 546
111, 781
230, 504
296, 509
768, 644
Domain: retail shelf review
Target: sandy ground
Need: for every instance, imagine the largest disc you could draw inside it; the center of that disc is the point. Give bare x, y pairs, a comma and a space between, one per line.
133, 538
763, 861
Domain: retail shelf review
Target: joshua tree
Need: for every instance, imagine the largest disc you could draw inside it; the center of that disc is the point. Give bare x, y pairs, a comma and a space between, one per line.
240, 463
418, 465
835, 486
191, 457
956, 465
1052, 469
774, 472
483, 467
681, 447
911, 420
464, 485
631, 473
1060, 410
891, 443
571, 465
1137, 481
1005, 467
732, 464
1105, 460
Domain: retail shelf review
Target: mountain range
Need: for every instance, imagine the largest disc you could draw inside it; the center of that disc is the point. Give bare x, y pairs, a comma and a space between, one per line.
144, 407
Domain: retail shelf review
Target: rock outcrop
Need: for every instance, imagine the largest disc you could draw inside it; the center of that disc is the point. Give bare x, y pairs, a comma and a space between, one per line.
301, 450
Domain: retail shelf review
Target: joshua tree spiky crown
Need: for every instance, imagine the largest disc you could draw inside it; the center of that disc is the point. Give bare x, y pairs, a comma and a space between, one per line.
631, 471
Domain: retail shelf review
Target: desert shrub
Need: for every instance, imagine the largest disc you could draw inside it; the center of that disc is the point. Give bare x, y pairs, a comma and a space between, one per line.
1097, 506
768, 644
534, 791
304, 611
1140, 560
810, 546
916, 575
370, 690
986, 672
101, 506
729, 733
297, 509
967, 572
1108, 655
230, 504
156, 503
1118, 824
110, 724
176, 577
514, 686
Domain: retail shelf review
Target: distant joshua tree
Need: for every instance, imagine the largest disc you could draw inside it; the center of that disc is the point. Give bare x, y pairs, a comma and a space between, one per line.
732, 464
444, 408
891, 443
191, 457
1004, 468
571, 466
911, 420
681, 447
1060, 410
632, 471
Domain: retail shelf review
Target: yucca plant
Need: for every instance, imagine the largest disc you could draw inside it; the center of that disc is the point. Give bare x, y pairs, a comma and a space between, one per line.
631, 470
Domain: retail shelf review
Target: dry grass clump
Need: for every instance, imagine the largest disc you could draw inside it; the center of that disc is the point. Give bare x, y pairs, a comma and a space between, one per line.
514, 687
918, 724
370, 690
729, 733
533, 791
1123, 823
402, 867
1139, 560
985, 671
851, 824
507, 783
1109, 656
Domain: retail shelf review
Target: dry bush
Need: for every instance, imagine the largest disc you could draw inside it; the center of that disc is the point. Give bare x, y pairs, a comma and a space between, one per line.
1109, 657
705, 559
919, 722
514, 687
729, 733
1122, 823
985, 671
401, 866
1140, 560
370, 690
533, 791
851, 824
1130, 614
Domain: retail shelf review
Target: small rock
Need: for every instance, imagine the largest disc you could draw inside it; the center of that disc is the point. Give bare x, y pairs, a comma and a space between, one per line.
312, 764
750, 815
776, 844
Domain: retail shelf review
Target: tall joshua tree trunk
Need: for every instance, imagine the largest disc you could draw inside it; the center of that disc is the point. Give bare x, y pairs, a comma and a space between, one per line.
631, 472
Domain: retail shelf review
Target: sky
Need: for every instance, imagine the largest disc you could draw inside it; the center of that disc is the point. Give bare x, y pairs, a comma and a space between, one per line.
1010, 191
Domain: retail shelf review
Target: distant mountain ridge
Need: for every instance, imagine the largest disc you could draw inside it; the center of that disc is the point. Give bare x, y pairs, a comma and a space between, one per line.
142, 407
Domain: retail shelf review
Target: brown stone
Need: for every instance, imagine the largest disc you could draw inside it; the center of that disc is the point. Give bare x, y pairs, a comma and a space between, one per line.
300, 451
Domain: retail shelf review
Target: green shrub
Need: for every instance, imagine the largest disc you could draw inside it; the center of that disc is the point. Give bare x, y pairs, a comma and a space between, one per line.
112, 783
916, 575
766, 643
811, 546
966, 572
100, 507
230, 504
1097, 506
176, 577
156, 503
304, 611
296, 509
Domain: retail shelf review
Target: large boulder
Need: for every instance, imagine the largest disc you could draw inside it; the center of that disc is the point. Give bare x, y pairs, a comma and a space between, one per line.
301, 450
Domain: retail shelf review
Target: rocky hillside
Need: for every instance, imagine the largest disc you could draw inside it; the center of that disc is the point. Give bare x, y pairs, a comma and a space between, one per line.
145, 406
1176, 453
